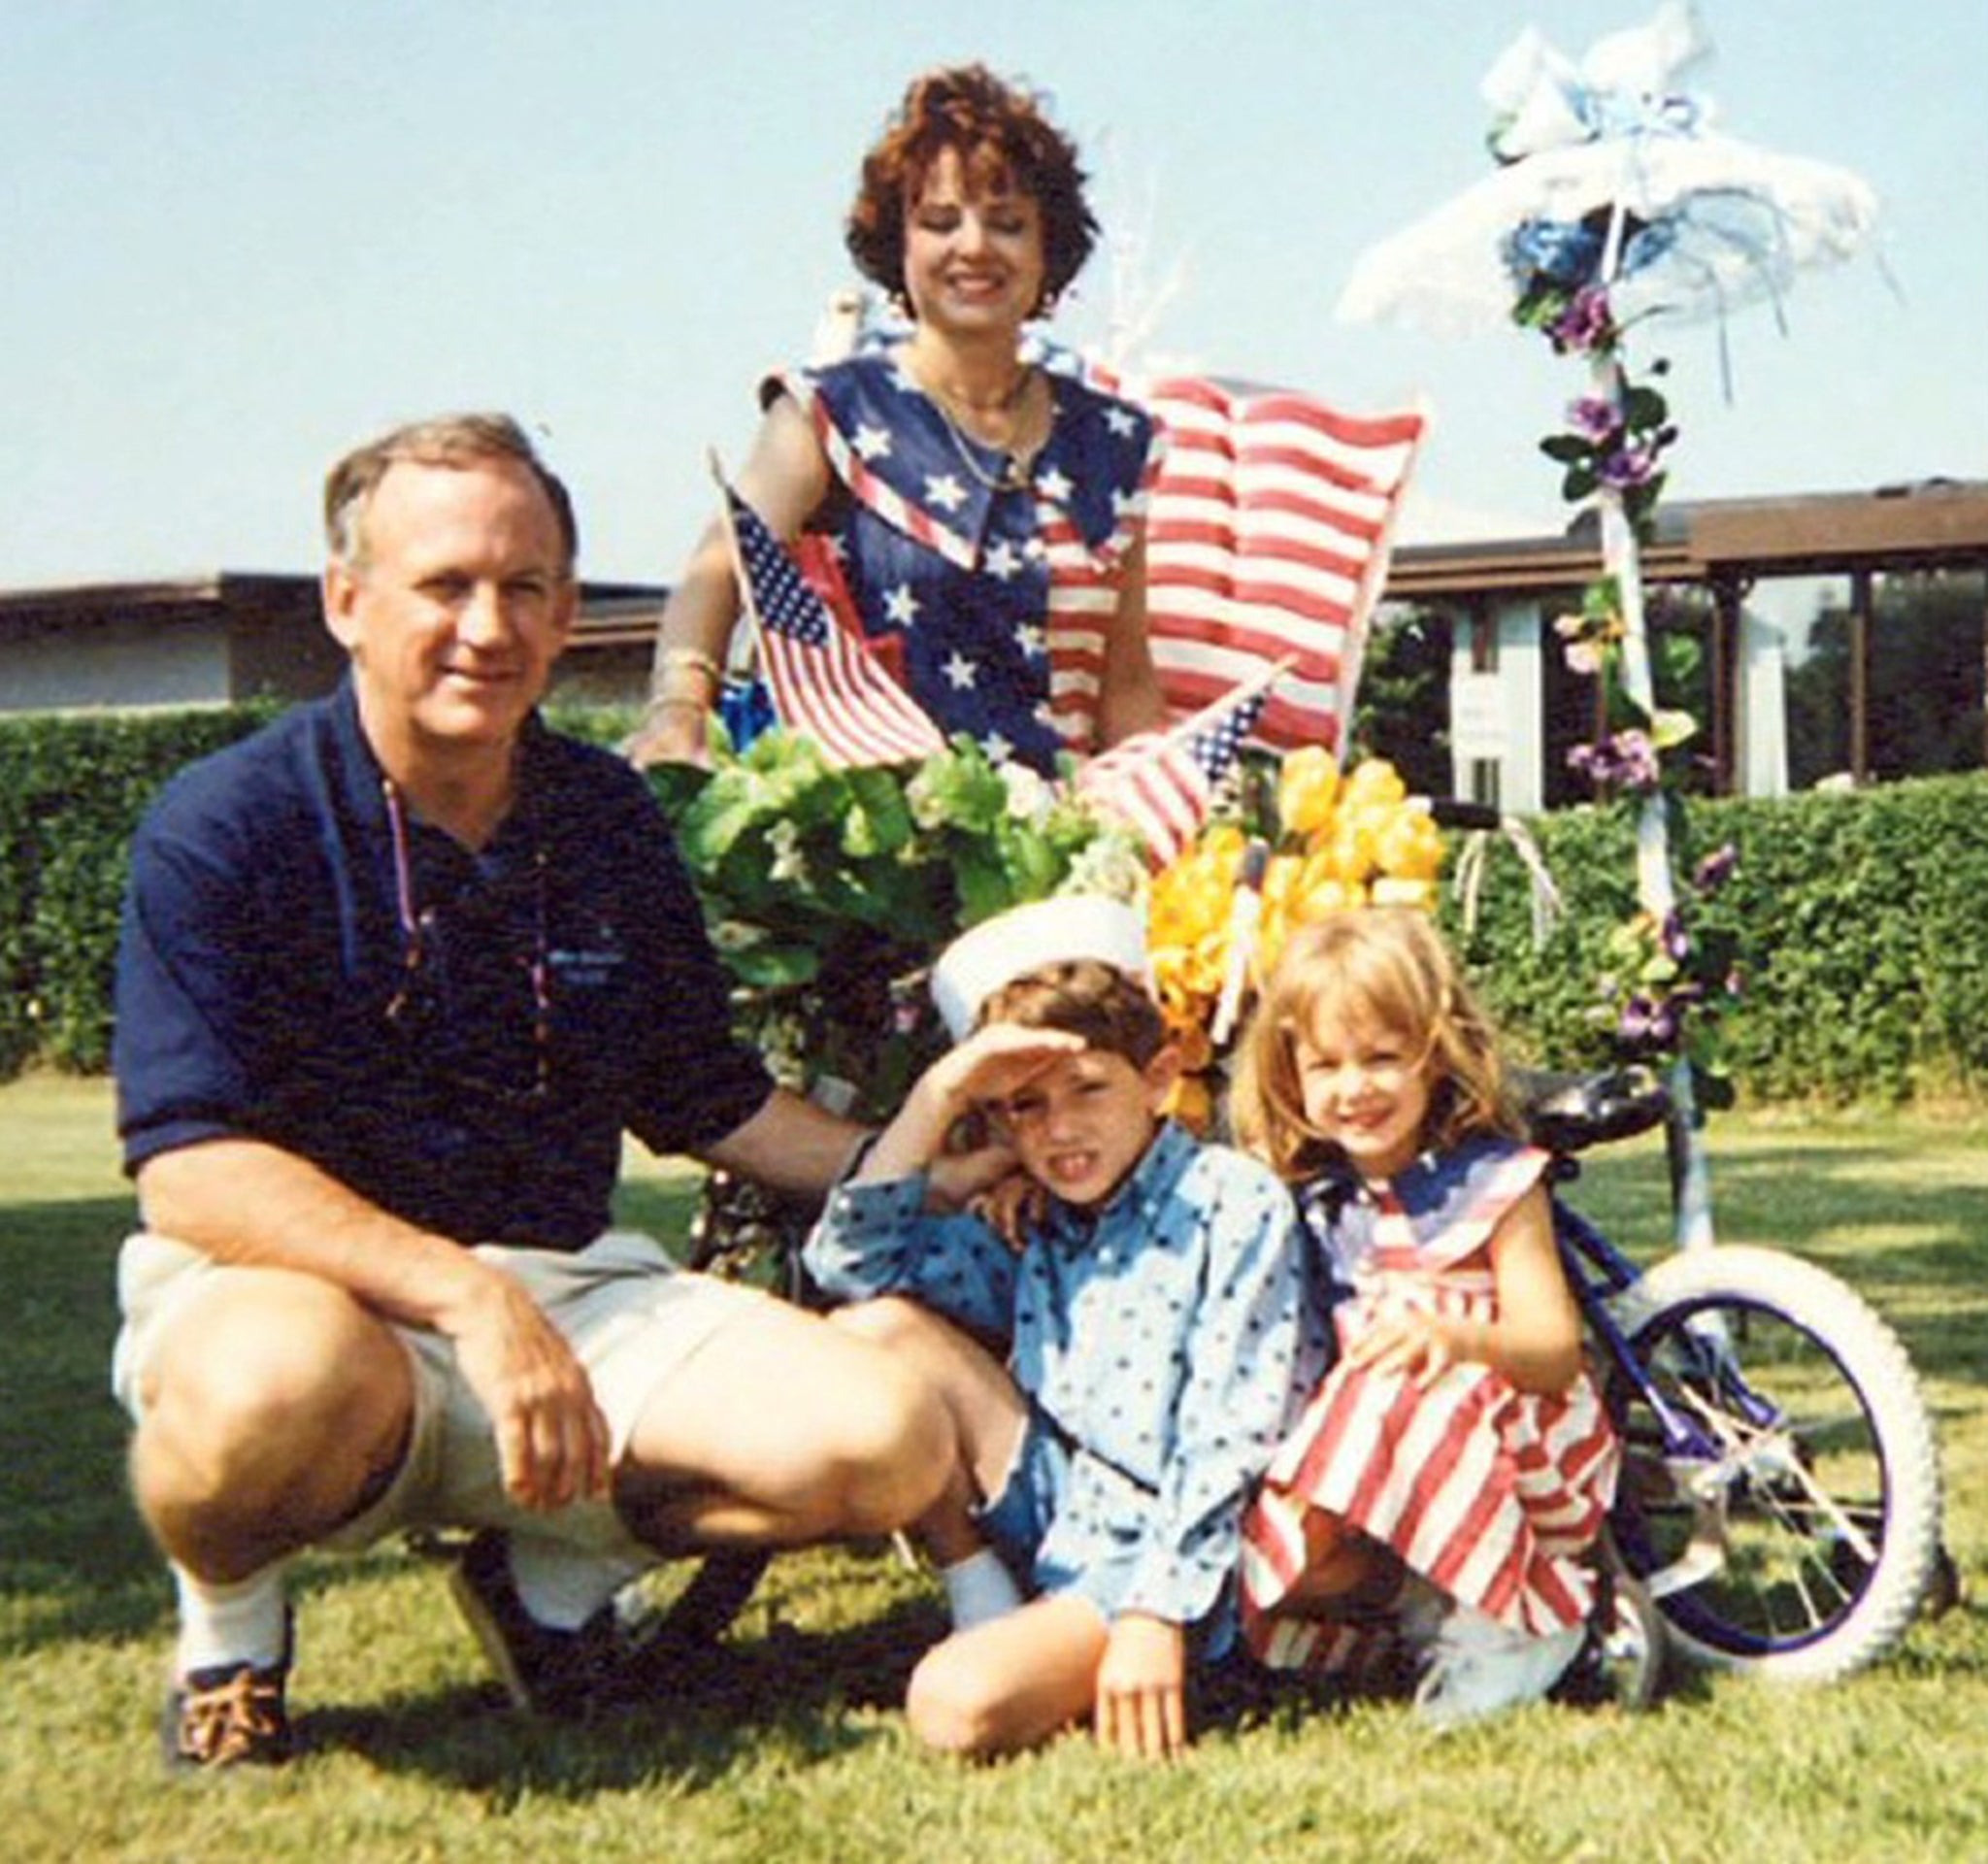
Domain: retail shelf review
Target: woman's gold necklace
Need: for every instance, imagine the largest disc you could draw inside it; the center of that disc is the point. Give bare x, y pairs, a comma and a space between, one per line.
1013, 476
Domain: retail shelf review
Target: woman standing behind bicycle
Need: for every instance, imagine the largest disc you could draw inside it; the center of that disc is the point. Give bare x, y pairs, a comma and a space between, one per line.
1450, 1476
986, 517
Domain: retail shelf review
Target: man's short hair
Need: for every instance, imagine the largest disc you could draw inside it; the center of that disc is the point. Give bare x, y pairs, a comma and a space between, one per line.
447, 440
1112, 1011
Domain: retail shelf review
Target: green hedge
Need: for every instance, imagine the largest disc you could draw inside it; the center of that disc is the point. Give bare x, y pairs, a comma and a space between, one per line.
1863, 918
1863, 924
71, 791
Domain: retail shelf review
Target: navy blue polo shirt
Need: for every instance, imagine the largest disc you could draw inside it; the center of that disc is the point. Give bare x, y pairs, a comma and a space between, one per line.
475, 1081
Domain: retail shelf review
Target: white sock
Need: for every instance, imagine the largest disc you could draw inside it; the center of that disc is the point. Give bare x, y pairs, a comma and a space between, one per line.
232, 1622
563, 1586
978, 1588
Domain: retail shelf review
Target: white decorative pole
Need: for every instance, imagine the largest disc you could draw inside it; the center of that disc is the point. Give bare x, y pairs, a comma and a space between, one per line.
1656, 887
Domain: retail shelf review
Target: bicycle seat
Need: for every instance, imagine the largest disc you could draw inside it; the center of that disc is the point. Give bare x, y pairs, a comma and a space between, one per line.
1567, 1112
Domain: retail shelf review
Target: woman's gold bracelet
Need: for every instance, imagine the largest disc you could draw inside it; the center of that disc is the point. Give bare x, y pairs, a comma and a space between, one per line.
671, 658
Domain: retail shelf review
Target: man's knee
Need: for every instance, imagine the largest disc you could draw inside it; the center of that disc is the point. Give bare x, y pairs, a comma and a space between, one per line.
894, 1450
889, 1322
254, 1395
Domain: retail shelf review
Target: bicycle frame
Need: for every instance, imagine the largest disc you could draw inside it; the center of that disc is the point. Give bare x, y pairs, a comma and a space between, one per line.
1598, 1272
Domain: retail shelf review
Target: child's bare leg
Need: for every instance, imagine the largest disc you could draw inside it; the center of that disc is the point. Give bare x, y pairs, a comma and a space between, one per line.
1010, 1684
989, 1417
1344, 1571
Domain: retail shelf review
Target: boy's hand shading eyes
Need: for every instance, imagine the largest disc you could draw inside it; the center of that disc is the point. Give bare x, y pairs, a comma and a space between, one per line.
997, 1062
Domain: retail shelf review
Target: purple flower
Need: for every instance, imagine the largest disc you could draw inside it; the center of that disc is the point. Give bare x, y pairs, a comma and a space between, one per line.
1626, 466
1627, 762
1647, 1022
1672, 940
1586, 323
1716, 869
1639, 756
1594, 417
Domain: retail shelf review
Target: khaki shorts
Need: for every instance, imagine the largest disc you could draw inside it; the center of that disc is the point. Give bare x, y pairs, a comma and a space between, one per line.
630, 1315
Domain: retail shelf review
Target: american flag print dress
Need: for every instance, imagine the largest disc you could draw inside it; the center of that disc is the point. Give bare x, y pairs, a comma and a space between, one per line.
1494, 1494
990, 596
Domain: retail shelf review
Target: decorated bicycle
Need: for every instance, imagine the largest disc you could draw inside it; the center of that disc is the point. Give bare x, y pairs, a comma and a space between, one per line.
1780, 1504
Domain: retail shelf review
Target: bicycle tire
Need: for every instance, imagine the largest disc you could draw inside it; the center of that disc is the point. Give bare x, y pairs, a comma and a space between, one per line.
1803, 1551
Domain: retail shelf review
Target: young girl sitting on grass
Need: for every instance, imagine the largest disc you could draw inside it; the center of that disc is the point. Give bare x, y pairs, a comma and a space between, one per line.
1449, 1478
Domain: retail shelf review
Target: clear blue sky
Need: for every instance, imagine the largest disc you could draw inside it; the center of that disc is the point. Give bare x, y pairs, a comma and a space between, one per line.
240, 235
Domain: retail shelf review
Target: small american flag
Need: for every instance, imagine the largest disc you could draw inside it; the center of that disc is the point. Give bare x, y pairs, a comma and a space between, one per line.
1269, 535
1161, 783
824, 681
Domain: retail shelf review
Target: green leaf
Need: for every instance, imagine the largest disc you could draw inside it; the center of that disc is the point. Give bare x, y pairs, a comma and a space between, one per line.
1568, 449
983, 886
773, 967
1031, 863
675, 786
880, 798
1602, 599
1644, 408
1670, 728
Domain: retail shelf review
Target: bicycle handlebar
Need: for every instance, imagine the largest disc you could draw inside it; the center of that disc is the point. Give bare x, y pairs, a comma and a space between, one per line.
1453, 812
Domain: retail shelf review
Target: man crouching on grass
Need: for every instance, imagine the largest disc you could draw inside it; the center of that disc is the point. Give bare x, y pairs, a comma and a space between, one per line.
1118, 1385
396, 974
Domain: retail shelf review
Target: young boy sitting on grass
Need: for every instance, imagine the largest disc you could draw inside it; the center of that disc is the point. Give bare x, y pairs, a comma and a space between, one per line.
1118, 1381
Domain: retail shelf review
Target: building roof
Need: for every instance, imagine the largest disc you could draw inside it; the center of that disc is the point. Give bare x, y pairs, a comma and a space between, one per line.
611, 612
1934, 524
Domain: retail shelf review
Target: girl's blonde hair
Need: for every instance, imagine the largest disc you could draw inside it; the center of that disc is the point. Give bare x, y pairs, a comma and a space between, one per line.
1375, 967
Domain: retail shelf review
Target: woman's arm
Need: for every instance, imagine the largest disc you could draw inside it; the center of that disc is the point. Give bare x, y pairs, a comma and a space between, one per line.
783, 480
1129, 697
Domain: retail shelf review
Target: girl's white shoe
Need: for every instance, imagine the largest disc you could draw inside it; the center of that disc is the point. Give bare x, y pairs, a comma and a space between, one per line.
1477, 1667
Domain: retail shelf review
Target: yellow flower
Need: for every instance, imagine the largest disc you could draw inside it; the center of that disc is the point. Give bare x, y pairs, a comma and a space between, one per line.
1179, 1004
1332, 896
1351, 849
1409, 846
1279, 875
1222, 845
1372, 780
1206, 963
1190, 1102
1190, 899
1307, 786
1392, 890
1197, 1052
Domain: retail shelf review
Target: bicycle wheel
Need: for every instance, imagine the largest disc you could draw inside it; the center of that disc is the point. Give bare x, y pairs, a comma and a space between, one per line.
1789, 1522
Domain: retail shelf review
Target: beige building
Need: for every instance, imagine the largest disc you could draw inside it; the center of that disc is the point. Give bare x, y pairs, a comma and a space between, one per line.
226, 638
217, 640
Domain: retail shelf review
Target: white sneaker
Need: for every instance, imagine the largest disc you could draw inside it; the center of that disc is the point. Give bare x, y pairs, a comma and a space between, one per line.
1479, 1667
1421, 1609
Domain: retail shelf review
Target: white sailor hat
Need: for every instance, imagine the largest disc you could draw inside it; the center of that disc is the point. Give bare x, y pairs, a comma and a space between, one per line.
1024, 938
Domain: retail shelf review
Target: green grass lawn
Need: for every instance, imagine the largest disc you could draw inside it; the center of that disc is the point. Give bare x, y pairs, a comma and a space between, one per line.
792, 1747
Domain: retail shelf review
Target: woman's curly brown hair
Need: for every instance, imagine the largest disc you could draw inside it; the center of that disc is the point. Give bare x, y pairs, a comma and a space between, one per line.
1002, 137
